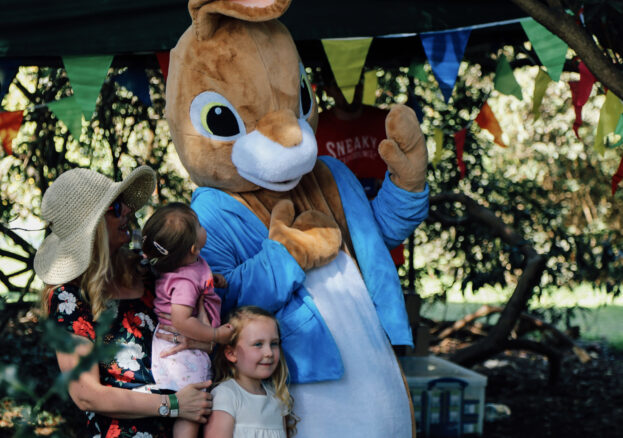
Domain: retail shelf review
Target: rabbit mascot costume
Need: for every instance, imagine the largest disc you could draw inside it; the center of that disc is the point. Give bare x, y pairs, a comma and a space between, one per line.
293, 233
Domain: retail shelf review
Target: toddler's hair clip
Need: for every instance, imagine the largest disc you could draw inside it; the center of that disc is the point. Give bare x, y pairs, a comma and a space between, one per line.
161, 249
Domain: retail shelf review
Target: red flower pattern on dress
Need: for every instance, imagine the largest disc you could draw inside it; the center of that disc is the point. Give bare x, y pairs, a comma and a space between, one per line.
82, 327
132, 322
132, 316
113, 431
119, 374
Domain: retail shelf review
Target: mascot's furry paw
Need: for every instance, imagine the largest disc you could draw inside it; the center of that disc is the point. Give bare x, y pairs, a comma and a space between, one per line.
313, 238
404, 151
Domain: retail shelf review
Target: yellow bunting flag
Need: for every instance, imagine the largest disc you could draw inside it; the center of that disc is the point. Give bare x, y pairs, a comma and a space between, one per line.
540, 85
438, 136
10, 122
608, 119
370, 84
487, 120
347, 57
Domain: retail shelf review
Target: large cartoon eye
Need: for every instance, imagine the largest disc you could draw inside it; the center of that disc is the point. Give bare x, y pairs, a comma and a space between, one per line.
306, 104
213, 116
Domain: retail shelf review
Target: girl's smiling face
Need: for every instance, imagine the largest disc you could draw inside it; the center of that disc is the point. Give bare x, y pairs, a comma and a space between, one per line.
256, 354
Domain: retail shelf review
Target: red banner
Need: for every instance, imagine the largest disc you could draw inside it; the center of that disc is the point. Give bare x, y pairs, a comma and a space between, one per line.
459, 140
580, 92
617, 177
163, 61
10, 122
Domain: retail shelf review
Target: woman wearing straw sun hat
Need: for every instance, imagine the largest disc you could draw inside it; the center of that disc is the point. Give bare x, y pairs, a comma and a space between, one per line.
88, 270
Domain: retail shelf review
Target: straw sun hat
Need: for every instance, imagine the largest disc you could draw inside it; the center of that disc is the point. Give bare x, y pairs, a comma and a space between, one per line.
73, 205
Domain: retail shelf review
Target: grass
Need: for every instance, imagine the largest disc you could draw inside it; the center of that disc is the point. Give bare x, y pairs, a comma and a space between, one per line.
598, 315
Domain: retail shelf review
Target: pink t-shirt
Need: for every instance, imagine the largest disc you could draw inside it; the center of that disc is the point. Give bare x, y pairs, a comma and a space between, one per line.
187, 285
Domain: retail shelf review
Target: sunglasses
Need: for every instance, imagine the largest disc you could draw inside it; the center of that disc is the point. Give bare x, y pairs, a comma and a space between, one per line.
116, 207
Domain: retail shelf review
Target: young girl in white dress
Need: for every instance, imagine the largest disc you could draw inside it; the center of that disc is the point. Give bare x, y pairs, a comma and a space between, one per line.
252, 398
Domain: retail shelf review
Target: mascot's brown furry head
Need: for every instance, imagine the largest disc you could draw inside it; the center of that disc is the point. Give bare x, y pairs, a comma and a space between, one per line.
241, 110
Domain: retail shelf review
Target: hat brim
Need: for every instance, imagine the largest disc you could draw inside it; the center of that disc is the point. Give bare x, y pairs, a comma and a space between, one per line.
58, 261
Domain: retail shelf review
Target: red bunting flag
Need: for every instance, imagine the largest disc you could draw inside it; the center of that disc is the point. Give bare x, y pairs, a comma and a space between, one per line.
487, 120
580, 91
10, 122
163, 61
617, 177
459, 140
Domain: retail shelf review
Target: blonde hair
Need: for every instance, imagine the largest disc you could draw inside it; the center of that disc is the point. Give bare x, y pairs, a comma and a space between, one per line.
226, 370
95, 282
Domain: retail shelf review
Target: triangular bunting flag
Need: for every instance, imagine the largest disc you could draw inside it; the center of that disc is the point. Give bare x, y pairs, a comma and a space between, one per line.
487, 120
505, 81
550, 49
608, 120
134, 79
445, 53
370, 84
438, 136
69, 112
459, 141
86, 75
8, 70
346, 58
618, 131
617, 177
580, 92
540, 85
416, 70
163, 62
10, 122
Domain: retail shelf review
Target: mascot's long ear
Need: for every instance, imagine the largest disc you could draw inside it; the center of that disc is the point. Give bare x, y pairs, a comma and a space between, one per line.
205, 13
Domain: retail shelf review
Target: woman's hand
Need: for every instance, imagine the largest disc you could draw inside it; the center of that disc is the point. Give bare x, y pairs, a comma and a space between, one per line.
195, 402
181, 342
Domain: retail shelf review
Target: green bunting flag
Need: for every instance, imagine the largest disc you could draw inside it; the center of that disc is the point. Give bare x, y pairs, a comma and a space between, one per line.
347, 57
69, 112
618, 132
416, 70
550, 49
540, 85
608, 120
370, 84
505, 81
86, 75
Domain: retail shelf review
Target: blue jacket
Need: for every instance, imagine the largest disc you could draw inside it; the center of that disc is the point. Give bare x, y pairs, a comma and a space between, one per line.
262, 272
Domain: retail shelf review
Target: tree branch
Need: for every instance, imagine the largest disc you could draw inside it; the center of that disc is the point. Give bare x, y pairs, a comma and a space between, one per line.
566, 27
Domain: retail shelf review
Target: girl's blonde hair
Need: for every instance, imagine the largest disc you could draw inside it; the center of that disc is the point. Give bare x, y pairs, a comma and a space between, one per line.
168, 236
95, 282
226, 370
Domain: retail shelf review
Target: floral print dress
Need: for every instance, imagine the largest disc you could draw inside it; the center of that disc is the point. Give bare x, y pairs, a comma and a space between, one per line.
133, 327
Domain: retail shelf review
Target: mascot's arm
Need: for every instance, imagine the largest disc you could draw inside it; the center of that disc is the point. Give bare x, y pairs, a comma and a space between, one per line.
313, 238
402, 202
258, 270
398, 212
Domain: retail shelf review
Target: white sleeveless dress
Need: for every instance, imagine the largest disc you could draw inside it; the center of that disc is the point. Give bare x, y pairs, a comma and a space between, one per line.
370, 400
